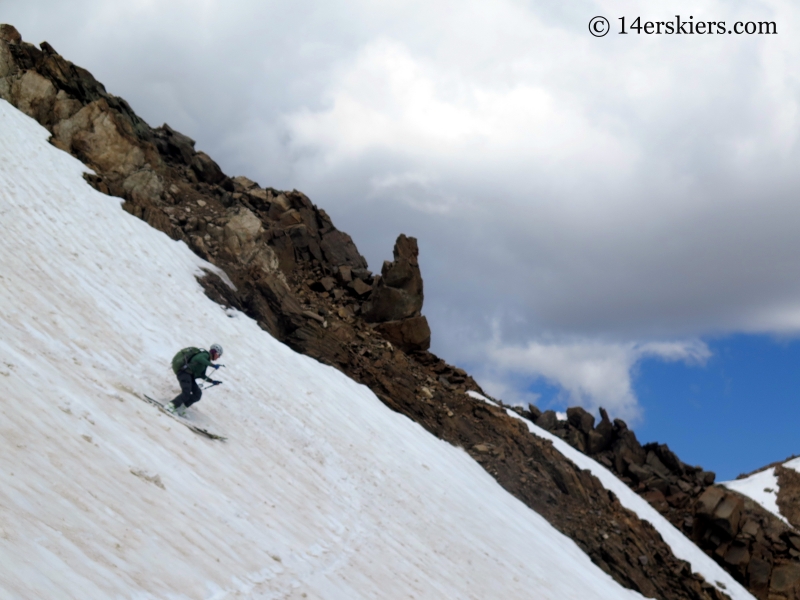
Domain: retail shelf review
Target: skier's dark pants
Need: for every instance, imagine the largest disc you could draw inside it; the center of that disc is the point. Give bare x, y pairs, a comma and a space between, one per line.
190, 391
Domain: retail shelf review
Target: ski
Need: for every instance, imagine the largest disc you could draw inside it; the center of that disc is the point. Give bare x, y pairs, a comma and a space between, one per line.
195, 428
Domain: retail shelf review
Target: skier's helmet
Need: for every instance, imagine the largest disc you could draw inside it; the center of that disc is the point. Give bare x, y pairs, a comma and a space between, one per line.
216, 349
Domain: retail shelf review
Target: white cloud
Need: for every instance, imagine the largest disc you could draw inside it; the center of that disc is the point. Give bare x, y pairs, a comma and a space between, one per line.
508, 392
390, 100
591, 373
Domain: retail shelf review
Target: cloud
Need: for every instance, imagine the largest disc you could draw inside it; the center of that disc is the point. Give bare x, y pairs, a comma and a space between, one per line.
591, 373
413, 108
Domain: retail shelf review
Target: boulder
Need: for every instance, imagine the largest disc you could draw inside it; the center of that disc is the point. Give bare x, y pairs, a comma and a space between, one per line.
409, 335
595, 442
727, 514
259, 198
576, 438
580, 419
759, 570
7, 64
243, 185
280, 202
364, 274
34, 95
667, 457
359, 287
657, 500
285, 315
654, 463
708, 502
9, 33
143, 187
290, 218
706, 477
65, 106
243, 237
737, 556
639, 474
345, 274
339, 250
174, 145
327, 283
206, 169
547, 421
96, 136
304, 241
677, 499
784, 579
626, 449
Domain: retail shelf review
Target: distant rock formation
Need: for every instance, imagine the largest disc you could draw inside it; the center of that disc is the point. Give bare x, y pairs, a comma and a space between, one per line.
758, 549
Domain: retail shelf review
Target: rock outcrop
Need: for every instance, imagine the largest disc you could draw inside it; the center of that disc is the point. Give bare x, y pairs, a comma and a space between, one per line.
758, 549
396, 301
306, 284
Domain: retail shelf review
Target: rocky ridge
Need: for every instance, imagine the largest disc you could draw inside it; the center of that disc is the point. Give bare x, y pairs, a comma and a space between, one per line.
758, 549
305, 283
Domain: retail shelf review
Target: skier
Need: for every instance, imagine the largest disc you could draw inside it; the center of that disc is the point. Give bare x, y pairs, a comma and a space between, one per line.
190, 364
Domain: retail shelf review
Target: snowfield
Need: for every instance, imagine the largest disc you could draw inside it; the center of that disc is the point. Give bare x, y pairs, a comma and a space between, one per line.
320, 490
762, 487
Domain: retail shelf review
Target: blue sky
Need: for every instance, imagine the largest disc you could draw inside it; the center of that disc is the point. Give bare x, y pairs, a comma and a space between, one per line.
734, 414
737, 413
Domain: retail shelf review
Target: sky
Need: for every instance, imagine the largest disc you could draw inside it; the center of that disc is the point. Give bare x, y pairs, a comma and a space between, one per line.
602, 221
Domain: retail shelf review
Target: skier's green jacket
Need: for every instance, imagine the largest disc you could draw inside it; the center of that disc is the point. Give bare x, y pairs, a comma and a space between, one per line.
198, 364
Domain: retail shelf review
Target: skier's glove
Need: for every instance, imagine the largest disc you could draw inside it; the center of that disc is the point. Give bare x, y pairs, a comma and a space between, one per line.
215, 382
215, 367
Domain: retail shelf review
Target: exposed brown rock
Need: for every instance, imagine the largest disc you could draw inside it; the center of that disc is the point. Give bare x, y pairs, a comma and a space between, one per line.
789, 494
580, 419
727, 514
340, 250
399, 292
143, 187
97, 136
35, 96
754, 546
708, 502
547, 420
409, 334
9, 33
784, 581
362, 289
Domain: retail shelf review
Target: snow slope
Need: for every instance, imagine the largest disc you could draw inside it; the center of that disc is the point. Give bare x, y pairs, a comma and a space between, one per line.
762, 487
320, 492
681, 546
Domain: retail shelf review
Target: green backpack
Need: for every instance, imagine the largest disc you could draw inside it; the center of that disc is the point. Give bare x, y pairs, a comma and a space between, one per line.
182, 358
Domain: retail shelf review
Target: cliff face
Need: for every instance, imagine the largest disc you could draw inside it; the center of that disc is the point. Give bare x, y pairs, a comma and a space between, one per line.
305, 283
